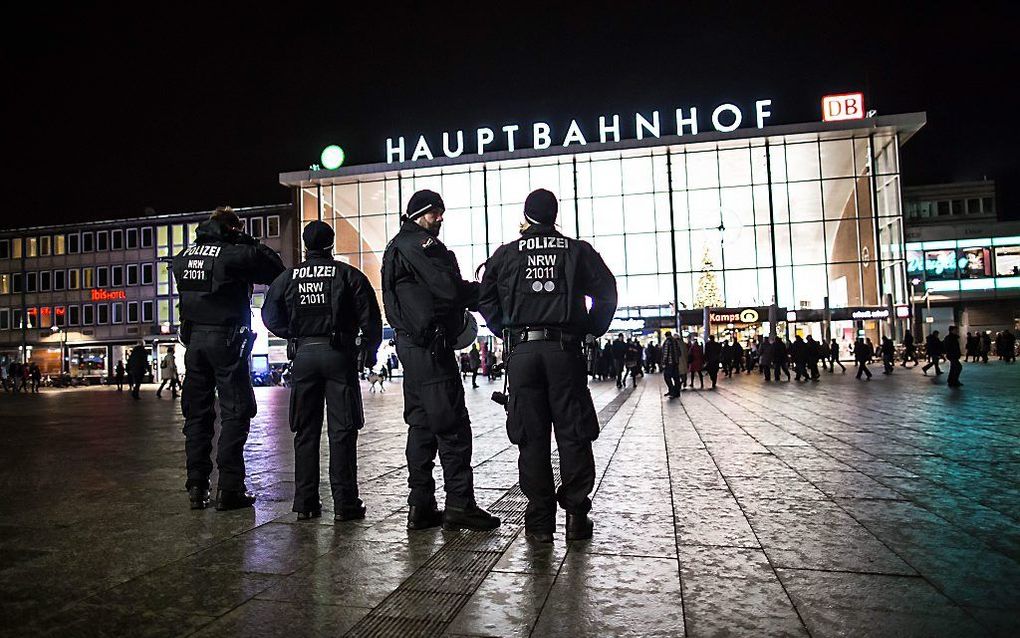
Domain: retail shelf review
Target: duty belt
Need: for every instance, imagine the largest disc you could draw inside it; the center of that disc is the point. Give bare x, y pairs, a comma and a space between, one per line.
307, 341
523, 335
210, 327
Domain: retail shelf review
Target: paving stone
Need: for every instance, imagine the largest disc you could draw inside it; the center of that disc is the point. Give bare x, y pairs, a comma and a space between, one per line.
505, 604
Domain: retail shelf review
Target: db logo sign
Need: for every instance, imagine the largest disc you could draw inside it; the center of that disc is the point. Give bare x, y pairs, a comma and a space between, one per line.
848, 106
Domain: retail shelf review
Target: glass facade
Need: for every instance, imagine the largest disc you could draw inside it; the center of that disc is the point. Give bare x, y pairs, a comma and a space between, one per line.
789, 219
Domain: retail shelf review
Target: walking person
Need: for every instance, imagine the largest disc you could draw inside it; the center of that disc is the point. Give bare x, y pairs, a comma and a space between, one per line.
798, 353
812, 353
215, 276
426, 302
137, 366
933, 350
474, 362
695, 361
118, 375
671, 364
328, 312
972, 345
632, 362
951, 348
713, 353
1009, 346
863, 353
909, 350
35, 376
985, 347
780, 357
168, 370
765, 362
14, 372
619, 350
834, 357
546, 319
888, 355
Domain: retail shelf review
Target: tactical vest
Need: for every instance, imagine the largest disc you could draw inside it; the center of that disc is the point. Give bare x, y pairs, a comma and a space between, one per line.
542, 272
312, 297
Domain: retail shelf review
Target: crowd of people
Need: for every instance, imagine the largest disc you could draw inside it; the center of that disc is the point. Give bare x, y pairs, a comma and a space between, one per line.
21, 377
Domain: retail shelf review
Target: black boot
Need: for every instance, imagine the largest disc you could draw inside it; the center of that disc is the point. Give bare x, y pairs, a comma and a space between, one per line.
420, 517
538, 537
471, 517
579, 527
233, 500
304, 516
350, 513
199, 497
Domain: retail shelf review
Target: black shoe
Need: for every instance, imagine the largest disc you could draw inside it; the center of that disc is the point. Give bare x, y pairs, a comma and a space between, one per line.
233, 500
579, 527
538, 537
471, 517
350, 513
199, 497
419, 517
304, 516
159, 395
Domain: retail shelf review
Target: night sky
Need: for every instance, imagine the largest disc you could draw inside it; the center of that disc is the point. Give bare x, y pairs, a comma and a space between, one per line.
114, 113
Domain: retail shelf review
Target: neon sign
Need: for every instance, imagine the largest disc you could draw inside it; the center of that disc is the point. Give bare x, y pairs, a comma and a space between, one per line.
102, 294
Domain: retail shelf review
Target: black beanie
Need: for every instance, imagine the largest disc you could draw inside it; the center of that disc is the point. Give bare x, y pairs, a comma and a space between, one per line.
318, 235
540, 207
422, 202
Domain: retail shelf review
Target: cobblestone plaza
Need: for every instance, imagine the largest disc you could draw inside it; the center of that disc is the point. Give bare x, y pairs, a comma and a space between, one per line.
882, 508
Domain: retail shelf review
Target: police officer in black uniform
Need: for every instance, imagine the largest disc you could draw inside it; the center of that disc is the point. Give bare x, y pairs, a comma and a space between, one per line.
534, 289
320, 305
215, 278
425, 301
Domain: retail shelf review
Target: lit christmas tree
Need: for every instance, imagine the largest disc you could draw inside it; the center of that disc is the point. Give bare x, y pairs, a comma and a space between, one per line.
708, 291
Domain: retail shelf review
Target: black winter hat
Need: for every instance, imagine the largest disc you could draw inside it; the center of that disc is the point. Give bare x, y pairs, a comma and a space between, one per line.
318, 235
422, 202
540, 207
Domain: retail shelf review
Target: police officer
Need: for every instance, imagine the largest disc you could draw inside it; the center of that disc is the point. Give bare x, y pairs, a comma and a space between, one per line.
320, 305
535, 289
214, 278
425, 301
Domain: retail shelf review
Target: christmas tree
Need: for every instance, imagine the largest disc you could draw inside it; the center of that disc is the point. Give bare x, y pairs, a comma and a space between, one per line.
708, 291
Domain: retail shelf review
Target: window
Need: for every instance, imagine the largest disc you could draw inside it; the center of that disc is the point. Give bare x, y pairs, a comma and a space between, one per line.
44, 246
117, 239
87, 279
273, 226
102, 314
178, 236
162, 241
45, 281
16, 248
5, 319
5, 284
88, 314
132, 274
31, 282
116, 276
146, 312
17, 282
146, 274
60, 316
59, 247
73, 279
73, 315
31, 247
59, 279
118, 312
102, 277
943, 207
147, 237
5, 249
16, 321
102, 240
255, 226
132, 312
73, 243
974, 206
163, 278
163, 310
131, 238
957, 206
87, 244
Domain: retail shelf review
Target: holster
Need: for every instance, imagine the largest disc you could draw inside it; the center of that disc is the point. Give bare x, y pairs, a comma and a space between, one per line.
291, 349
184, 332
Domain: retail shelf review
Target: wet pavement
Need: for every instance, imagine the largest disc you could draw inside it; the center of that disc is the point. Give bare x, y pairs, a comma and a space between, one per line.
881, 508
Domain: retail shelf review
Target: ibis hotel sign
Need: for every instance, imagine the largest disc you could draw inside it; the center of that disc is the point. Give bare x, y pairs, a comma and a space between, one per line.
686, 120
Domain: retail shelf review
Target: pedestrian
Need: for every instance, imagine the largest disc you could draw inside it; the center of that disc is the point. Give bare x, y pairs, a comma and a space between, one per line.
812, 353
35, 376
985, 347
863, 353
780, 358
137, 366
425, 300
545, 315
1009, 346
168, 371
765, 362
118, 375
695, 361
713, 355
951, 348
738, 357
834, 357
671, 364
909, 349
888, 355
215, 276
474, 362
972, 347
14, 372
933, 350
328, 312
465, 365
726, 357
798, 353
632, 362
619, 348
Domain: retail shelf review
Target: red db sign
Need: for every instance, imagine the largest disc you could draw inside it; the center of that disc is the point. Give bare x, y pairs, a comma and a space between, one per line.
848, 106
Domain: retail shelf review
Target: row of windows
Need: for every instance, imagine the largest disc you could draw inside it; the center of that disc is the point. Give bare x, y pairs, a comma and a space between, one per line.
120, 239
950, 207
78, 278
77, 315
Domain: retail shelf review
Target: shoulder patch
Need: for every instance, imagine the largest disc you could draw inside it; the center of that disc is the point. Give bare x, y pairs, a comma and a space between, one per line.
428, 243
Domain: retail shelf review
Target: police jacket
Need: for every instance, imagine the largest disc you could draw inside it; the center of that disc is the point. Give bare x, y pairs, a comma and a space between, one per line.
215, 275
422, 287
320, 297
542, 279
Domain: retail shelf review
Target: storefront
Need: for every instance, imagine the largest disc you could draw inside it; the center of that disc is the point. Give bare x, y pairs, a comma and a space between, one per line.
800, 216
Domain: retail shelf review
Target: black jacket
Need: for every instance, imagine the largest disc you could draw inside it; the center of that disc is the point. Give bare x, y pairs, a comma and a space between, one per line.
321, 296
216, 274
422, 287
951, 346
542, 279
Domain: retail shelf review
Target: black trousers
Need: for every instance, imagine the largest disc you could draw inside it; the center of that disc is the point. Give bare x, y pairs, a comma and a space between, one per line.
955, 368
437, 421
713, 372
671, 375
174, 384
214, 367
834, 361
549, 393
932, 361
800, 370
322, 375
781, 365
812, 367
862, 368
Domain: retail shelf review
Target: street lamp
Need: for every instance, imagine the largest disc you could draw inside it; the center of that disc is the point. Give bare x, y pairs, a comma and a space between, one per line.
63, 346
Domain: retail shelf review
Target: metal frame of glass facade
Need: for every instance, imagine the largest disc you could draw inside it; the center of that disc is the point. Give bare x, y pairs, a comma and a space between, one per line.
792, 217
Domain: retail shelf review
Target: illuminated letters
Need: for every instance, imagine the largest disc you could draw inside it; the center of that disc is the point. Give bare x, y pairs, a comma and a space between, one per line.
460, 144
604, 130
510, 129
574, 135
691, 121
421, 149
642, 125
391, 150
719, 126
759, 108
540, 136
485, 136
